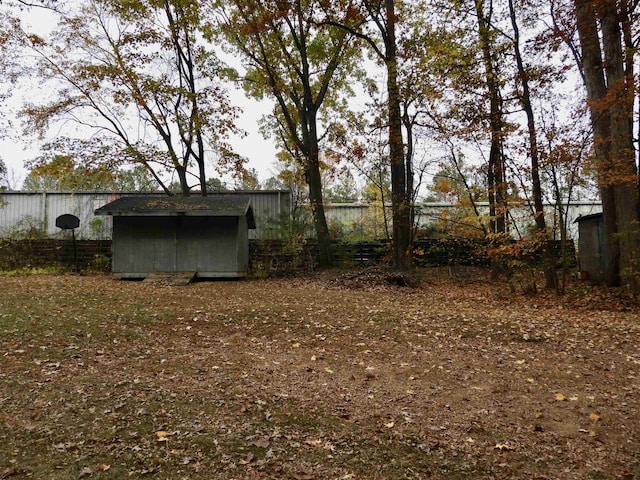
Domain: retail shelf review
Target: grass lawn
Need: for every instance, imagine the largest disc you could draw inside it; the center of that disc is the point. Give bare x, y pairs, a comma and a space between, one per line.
326, 377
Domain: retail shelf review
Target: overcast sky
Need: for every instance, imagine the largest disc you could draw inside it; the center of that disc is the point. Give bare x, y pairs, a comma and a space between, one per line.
16, 149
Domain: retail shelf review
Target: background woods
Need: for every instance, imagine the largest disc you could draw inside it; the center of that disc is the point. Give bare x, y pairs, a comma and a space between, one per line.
513, 103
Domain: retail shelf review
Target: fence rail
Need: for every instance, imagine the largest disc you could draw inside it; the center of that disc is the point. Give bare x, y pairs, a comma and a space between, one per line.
267, 257
28, 253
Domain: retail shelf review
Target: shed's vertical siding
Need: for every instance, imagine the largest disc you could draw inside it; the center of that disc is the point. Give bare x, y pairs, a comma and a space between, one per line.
211, 246
207, 245
142, 245
589, 248
242, 245
592, 246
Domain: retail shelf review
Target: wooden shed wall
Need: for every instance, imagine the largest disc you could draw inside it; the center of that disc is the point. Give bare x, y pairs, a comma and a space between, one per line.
591, 245
213, 247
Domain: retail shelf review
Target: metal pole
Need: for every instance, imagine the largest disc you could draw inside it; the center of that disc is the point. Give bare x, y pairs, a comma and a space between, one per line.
75, 249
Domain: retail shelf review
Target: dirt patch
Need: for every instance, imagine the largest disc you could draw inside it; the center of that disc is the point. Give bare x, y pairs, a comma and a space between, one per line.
331, 377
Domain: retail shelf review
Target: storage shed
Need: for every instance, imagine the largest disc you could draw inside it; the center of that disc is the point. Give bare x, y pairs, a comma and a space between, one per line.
591, 247
207, 236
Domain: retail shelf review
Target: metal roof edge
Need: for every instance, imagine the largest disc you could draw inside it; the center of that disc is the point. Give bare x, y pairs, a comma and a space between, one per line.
591, 216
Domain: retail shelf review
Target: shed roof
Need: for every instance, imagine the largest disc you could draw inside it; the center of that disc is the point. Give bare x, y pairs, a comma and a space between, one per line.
218, 205
592, 216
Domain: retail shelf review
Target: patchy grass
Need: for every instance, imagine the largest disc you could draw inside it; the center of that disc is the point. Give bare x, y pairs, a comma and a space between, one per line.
331, 377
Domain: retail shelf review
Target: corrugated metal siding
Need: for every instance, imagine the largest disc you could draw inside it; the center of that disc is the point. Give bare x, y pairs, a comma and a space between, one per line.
346, 213
40, 210
269, 210
429, 213
21, 212
82, 206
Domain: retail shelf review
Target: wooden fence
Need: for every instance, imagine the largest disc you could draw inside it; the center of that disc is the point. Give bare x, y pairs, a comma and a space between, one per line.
267, 257
40, 253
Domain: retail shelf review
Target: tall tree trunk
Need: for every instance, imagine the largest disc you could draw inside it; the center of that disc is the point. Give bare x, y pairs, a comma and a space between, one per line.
607, 95
182, 180
495, 178
408, 128
401, 204
622, 154
496, 187
551, 278
314, 180
593, 71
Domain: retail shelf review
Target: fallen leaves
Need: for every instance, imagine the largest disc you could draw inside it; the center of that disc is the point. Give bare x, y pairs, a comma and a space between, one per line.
298, 378
260, 442
504, 447
10, 472
320, 443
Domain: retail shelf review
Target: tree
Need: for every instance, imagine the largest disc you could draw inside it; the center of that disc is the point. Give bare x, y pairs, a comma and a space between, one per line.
248, 181
376, 195
461, 185
134, 179
289, 177
362, 141
215, 185
299, 64
49, 4
607, 62
564, 164
4, 181
525, 97
378, 30
343, 188
496, 163
458, 182
139, 60
63, 173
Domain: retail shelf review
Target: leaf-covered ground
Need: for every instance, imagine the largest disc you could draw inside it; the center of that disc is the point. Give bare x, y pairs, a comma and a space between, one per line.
331, 377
